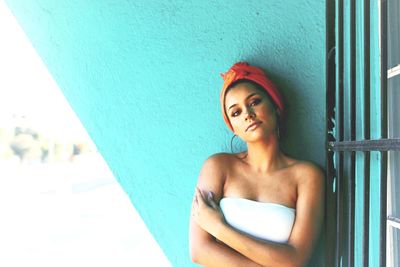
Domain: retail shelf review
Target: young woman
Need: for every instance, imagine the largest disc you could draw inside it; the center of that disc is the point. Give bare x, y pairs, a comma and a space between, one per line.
259, 207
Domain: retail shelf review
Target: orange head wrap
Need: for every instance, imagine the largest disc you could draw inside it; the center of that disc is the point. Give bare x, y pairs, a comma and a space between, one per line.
243, 71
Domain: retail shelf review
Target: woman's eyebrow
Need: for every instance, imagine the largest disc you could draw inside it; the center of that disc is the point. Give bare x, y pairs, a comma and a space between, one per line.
249, 96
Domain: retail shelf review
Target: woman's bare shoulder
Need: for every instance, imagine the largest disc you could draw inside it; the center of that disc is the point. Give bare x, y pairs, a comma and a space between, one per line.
304, 170
308, 172
213, 173
220, 160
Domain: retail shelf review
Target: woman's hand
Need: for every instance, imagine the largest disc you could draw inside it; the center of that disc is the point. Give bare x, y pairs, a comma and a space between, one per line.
206, 212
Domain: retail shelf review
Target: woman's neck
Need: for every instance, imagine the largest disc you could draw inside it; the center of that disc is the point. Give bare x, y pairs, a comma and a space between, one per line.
265, 156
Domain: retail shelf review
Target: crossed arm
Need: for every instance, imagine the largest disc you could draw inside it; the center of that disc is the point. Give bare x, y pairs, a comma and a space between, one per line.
214, 243
205, 249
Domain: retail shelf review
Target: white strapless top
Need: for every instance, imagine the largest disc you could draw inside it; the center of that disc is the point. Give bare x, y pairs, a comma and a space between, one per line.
266, 221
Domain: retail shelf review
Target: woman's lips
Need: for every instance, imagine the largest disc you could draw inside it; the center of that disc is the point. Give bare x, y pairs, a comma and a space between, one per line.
253, 126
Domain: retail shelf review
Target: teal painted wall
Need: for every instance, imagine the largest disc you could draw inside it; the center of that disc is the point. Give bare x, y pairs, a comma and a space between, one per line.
143, 76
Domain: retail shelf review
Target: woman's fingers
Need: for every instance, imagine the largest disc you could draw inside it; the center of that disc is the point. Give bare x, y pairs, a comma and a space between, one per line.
199, 202
199, 196
195, 204
207, 200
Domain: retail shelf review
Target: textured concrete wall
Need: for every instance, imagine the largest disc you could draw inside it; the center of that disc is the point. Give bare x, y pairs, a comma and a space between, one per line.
143, 76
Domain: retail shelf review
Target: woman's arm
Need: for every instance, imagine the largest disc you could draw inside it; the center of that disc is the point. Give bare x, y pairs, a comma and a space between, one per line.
204, 248
207, 251
309, 215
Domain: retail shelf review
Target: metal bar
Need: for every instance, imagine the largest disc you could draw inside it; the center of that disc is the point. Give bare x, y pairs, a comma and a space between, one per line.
393, 72
383, 207
384, 67
367, 71
340, 73
365, 249
384, 130
393, 219
352, 166
330, 214
351, 205
392, 144
367, 132
339, 209
340, 124
395, 224
353, 70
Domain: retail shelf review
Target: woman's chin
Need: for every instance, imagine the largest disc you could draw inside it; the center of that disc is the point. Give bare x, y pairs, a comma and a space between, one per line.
258, 136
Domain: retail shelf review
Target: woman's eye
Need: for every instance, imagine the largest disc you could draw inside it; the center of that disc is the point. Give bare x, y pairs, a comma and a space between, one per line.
255, 102
235, 113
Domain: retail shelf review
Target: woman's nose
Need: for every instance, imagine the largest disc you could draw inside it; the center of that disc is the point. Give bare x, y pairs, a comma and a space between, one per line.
249, 114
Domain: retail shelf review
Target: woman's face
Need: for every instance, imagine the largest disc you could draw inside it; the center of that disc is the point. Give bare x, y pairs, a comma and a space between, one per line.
250, 112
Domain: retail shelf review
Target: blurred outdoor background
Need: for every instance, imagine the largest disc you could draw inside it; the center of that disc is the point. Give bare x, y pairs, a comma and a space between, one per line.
59, 203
